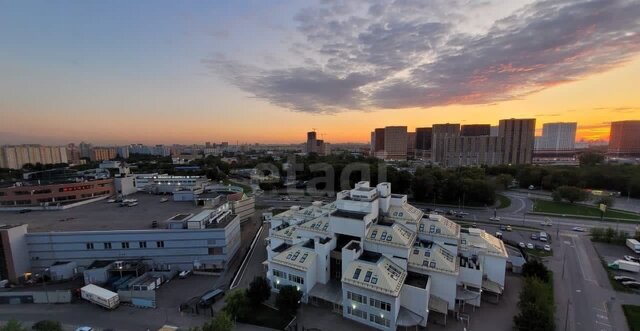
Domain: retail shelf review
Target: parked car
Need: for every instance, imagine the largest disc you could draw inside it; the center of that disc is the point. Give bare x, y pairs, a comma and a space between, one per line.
184, 274
631, 284
529, 245
495, 218
474, 225
84, 328
547, 248
546, 223
534, 236
522, 245
499, 235
631, 258
539, 247
503, 228
624, 279
579, 229
508, 227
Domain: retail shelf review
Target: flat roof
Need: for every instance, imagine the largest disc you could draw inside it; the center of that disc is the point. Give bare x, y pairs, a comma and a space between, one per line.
101, 215
349, 214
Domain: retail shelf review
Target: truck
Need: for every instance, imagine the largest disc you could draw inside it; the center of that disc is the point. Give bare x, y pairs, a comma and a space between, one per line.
634, 245
100, 296
625, 265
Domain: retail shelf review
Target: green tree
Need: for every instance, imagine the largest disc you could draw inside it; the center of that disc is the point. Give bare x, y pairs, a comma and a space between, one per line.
222, 322
591, 159
537, 269
12, 325
236, 304
47, 325
288, 300
572, 194
609, 235
503, 181
259, 291
597, 234
536, 306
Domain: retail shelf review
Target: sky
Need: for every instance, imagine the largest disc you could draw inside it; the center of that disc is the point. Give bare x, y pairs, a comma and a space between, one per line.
115, 72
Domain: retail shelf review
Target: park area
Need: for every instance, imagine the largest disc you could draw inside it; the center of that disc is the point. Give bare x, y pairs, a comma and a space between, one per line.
564, 208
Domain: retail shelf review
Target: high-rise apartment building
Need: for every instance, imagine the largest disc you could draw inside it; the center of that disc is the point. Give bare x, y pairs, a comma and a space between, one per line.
315, 145
471, 130
557, 137
440, 135
85, 149
395, 142
462, 151
377, 143
411, 144
103, 153
624, 139
517, 139
423, 143
14, 157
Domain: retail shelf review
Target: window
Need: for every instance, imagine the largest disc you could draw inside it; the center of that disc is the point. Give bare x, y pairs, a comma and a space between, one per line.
421, 227
432, 229
160, 243
356, 312
374, 233
374, 279
383, 236
367, 277
215, 251
427, 253
356, 274
107, 245
415, 252
304, 257
296, 279
279, 273
356, 297
89, 246
379, 320
380, 304
125, 244
432, 264
389, 237
143, 244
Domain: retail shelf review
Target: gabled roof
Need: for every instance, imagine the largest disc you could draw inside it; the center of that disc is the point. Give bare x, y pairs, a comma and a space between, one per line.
396, 235
296, 257
320, 224
383, 275
287, 233
438, 225
480, 239
405, 212
433, 257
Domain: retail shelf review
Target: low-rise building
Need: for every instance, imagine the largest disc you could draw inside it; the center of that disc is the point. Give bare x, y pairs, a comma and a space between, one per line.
381, 262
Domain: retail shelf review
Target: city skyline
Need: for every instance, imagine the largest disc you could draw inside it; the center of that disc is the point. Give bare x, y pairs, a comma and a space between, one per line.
164, 73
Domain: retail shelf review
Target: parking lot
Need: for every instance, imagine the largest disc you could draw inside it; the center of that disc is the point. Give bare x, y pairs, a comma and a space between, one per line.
612, 252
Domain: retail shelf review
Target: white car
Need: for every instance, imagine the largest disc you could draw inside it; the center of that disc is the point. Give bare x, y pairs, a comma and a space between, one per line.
530, 246
579, 229
184, 274
522, 245
547, 248
111, 200
84, 328
495, 219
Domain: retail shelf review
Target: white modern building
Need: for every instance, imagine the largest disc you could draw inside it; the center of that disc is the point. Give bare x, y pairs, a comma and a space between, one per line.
377, 260
162, 183
557, 137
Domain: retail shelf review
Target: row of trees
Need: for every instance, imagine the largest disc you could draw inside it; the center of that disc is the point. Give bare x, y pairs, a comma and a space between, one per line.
45, 325
536, 302
240, 303
609, 235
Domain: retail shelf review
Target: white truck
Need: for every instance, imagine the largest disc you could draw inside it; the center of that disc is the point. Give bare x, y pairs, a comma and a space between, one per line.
625, 265
100, 296
634, 245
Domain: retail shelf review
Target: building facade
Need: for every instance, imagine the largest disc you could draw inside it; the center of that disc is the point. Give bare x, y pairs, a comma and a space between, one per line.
624, 139
440, 135
27, 195
379, 261
471, 130
423, 143
14, 157
557, 137
395, 143
472, 151
103, 153
517, 137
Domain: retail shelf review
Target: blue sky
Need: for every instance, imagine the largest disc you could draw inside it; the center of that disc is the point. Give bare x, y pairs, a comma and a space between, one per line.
268, 71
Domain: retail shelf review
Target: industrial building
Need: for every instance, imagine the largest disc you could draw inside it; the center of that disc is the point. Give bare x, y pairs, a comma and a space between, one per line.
165, 235
379, 261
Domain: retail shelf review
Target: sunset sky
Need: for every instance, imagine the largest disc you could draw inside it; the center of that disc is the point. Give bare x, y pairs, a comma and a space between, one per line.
113, 72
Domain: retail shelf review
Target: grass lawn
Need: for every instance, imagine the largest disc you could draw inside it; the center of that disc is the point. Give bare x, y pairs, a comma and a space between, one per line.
538, 252
563, 208
245, 188
633, 316
267, 317
504, 201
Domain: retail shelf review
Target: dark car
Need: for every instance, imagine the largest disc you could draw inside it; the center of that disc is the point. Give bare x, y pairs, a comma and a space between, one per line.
534, 236
503, 228
539, 247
